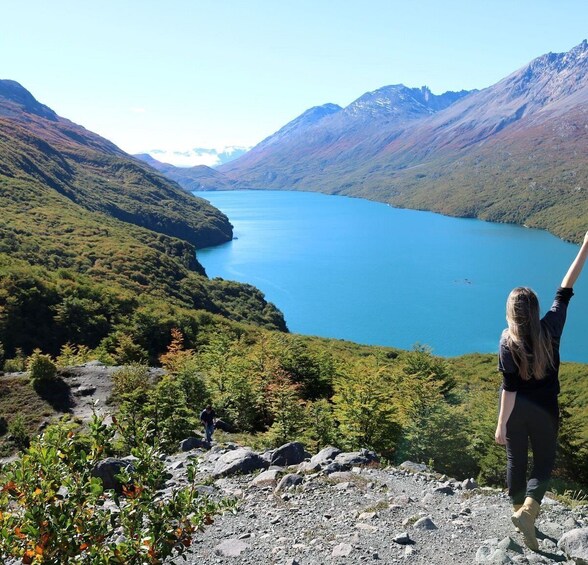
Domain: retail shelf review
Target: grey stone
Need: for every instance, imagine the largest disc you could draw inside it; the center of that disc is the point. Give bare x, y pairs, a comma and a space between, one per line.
291, 453
402, 539
414, 467
230, 548
269, 477
107, 469
362, 457
443, 490
469, 484
508, 544
238, 461
309, 467
334, 467
425, 524
342, 550
193, 443
288, 481
499, 557
325, 455
575, 545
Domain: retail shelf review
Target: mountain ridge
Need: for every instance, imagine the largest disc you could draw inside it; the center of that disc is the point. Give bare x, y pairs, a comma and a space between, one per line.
507, 153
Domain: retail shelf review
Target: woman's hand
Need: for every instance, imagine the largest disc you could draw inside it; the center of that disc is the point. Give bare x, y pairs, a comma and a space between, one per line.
500, 434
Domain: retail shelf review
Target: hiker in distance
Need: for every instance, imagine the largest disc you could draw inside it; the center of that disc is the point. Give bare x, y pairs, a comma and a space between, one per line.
208, 419
528, 359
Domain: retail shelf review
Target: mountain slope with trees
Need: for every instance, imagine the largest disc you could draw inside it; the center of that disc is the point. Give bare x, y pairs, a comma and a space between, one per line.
97, 246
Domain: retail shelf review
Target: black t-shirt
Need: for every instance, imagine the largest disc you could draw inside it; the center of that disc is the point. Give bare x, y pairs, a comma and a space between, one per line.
207, 417
542, 391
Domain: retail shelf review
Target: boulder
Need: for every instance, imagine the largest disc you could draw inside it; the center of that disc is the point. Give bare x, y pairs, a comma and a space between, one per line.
414, 467
107, 470
238, 461
269, 477
289, 481
353, 458
334, 467
325, 456
575, 544
291, 453
223, 426
193, 443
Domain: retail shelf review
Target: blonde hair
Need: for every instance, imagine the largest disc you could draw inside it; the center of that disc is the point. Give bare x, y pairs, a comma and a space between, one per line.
529, 341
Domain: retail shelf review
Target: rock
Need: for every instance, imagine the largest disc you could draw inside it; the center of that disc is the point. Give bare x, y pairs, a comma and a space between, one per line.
414, 467
508, 544
309, 467
325, 455
107, 469
443, 490
401, 500
193, 443
424, 524
288, 481
334, 467
342, 550
575, 545
223, 426
269, 477
241, 460
402, 539
367, 516
362, 457
230, 548
291, 453
85, 391
469, 484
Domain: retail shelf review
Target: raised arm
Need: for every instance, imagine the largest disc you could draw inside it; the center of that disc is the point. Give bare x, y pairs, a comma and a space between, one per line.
575, 269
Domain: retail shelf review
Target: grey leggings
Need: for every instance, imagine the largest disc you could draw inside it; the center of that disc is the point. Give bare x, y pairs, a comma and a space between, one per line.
534, 423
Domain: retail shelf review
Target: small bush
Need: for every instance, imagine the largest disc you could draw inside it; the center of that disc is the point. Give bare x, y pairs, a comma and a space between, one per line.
131, 379
17, 429
41, 368
16, 364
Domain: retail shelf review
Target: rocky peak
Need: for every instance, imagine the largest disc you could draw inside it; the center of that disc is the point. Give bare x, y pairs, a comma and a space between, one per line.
16, 95
400, 102
299, 125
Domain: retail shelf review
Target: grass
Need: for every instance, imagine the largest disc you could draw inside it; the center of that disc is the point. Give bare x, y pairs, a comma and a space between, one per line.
18, 397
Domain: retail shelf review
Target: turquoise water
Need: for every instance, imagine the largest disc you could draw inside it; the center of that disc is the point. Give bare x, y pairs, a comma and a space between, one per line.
363, 271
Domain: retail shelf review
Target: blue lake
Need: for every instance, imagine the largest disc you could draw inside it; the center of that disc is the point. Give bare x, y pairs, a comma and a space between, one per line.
363, 271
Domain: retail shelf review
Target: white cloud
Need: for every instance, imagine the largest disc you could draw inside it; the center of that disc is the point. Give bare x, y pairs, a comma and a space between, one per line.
196, 156
185, 158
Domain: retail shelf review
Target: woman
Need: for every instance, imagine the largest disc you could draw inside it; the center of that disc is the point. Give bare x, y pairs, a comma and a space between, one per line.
529, 362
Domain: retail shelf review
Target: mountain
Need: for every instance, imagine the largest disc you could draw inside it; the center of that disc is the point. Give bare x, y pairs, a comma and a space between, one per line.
199, 177
96, 245
513, 152
330, 138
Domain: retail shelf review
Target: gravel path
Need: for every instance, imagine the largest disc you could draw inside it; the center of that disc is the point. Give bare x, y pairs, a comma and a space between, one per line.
356, 516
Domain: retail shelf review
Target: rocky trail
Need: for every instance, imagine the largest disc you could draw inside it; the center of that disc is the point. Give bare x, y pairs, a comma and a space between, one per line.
346, 508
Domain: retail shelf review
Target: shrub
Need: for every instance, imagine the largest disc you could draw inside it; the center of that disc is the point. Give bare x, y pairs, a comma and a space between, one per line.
18, 431
41, 367
131, 379
17, 363
54, 510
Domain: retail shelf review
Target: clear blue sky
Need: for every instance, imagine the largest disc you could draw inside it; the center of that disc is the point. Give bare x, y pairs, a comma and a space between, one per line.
186, 73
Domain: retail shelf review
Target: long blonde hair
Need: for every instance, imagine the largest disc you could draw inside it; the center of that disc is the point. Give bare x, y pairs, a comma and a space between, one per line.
529, 341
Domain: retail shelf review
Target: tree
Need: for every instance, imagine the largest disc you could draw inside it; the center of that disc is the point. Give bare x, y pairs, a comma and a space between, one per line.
364, 405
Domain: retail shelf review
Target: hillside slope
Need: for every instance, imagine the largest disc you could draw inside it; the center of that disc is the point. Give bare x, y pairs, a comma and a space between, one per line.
91, 239
38, 145
513, 152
